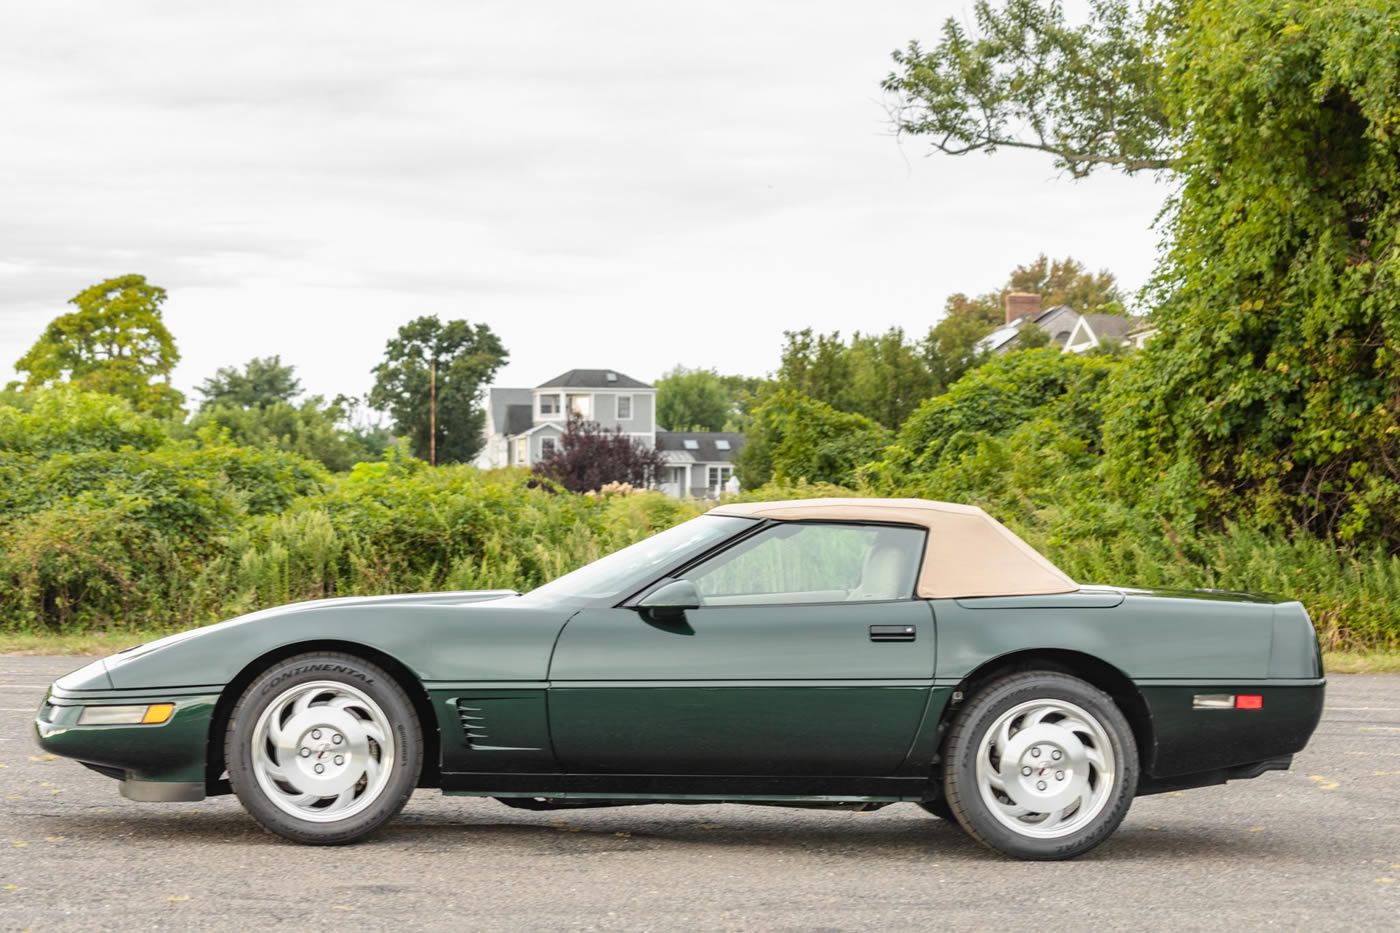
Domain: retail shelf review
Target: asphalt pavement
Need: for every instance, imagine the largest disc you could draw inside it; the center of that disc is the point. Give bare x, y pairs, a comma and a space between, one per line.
1314, 848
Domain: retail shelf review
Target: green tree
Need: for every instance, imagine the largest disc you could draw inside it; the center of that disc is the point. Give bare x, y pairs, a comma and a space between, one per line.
880, 376
464, 357
951, 348
115, 343
793, 438
997, 397
692, 400
1057, 282
263, 381
889, 377
815, 365
1089, 95
314, 429
1270, 391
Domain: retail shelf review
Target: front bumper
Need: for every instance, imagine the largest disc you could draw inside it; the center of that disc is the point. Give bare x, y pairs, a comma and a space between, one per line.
164, 761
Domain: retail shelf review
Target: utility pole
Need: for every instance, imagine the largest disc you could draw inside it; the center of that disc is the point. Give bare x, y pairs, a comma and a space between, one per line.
432, 413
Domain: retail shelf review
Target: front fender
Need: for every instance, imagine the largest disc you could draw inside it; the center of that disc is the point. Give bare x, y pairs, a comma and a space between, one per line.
488, 640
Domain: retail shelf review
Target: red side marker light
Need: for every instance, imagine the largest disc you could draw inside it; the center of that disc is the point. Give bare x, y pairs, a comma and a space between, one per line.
1249, 701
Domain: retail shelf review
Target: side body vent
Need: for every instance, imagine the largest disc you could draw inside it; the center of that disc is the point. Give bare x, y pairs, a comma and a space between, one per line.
503, 731
473, 724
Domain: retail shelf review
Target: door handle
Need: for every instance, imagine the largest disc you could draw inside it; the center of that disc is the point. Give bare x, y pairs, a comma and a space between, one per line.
892, 633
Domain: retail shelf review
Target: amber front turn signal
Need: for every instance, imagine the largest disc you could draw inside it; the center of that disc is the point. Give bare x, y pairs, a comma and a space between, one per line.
158, 712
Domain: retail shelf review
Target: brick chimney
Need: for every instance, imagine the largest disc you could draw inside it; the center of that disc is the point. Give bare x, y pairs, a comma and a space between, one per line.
1019, 304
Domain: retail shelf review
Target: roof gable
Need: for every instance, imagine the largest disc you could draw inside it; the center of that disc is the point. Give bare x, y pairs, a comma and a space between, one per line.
701, 446
593, 379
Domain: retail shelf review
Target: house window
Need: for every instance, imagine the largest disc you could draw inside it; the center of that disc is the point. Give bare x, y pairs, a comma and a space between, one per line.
546, 446
721, 444
549, 405
719, 475
690, 445
522, 450
624, 408
581, 405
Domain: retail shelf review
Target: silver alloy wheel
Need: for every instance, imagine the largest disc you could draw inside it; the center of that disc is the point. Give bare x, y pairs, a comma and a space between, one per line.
1045, 768
322, 751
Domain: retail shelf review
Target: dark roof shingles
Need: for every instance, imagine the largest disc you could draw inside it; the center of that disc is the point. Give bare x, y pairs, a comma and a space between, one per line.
593, 379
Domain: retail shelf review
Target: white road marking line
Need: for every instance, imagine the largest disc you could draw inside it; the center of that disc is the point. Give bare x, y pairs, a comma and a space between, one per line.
16, 709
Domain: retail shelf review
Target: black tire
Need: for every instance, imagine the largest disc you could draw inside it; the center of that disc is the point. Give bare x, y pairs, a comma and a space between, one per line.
1098, 797
348, 702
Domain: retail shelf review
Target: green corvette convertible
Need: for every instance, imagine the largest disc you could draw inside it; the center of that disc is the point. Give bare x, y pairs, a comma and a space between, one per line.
823, 653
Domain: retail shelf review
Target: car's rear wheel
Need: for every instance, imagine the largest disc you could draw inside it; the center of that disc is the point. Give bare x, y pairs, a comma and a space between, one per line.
324, 748
1040, 765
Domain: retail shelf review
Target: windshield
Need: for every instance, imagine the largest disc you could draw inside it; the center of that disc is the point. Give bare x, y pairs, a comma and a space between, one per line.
624, 571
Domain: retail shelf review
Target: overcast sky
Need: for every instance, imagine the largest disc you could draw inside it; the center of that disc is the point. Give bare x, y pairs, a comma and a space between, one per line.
606, 184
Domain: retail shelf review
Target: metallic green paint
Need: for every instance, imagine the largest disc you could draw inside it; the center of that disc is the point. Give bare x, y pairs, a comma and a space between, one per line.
798, 689
174, 750
440, 638
1144, 637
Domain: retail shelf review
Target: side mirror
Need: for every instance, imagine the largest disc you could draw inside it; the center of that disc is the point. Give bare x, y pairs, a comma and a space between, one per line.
671, 600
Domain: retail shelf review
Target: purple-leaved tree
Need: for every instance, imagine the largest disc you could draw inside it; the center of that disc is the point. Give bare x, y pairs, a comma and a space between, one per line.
589, 456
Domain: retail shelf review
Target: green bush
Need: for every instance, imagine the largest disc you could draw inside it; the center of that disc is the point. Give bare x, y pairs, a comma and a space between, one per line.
793, 438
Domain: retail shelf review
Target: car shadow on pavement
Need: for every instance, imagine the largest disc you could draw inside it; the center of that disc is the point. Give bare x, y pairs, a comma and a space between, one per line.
595, 831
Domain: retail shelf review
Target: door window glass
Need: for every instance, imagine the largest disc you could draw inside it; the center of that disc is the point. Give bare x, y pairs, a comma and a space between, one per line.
811, 562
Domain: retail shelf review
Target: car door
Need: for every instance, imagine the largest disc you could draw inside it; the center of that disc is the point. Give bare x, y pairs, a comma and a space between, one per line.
808, 655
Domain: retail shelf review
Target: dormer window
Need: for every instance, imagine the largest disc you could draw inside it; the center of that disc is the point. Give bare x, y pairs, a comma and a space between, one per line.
549, 405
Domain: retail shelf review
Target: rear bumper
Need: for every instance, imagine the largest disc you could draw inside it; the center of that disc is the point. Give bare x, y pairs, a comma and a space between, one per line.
165, 761
1149, 785
1190, 741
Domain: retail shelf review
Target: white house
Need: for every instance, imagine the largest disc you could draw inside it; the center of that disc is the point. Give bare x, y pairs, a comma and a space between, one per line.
523, 424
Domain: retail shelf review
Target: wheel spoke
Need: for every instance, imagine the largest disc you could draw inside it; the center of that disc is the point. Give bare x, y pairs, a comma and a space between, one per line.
372, 730
342, 800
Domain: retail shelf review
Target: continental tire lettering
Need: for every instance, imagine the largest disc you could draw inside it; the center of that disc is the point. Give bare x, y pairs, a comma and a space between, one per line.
322, 668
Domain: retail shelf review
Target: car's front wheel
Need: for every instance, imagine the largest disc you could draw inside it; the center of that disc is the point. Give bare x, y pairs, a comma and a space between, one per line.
1040, 765
324, 748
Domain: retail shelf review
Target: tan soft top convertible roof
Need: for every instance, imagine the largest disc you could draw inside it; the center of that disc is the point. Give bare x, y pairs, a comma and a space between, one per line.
969, 553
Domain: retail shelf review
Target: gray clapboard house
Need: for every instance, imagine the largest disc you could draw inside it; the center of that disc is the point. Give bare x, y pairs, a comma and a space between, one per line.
522, 425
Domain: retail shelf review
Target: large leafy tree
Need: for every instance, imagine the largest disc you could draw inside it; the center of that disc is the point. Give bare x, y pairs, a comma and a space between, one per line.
263, 381
464, 357
314, 428
880, 376
588, 457
1270, 393
794, 438
114, 342
692, 400
1057, 282
1090, 95
1272, 388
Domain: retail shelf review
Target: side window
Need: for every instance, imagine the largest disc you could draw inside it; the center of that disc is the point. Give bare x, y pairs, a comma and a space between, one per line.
813, 563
